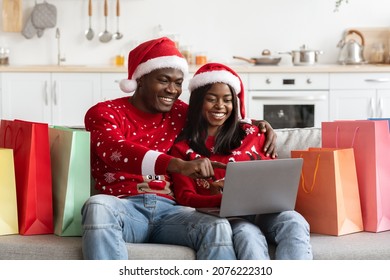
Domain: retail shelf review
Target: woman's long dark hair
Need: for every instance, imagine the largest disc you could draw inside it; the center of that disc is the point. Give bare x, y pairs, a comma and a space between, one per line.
229, 135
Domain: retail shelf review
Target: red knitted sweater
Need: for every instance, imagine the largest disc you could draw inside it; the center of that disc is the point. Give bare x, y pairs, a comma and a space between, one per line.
129, 147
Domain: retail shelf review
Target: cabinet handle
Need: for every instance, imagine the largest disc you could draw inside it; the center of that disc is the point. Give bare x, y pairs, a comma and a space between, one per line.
55, 93
372, 105
379, 80
46, 96
380, 108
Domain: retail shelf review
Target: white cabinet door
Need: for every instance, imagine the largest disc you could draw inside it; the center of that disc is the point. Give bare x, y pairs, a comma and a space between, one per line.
72, 95
26, 96
383, 103
57, 99
351, 104
110, 86
359, 95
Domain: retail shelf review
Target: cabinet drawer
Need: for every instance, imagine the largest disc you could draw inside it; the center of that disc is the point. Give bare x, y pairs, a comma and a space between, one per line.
360, 81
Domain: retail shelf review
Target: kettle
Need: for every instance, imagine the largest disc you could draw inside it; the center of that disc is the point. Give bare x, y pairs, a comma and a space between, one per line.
351, 51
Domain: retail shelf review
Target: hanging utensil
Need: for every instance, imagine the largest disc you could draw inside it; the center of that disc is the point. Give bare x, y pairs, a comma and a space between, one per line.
89, 33
105, 36
117, 35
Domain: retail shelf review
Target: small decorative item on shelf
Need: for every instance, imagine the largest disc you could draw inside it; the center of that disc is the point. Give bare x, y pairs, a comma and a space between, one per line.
338, 4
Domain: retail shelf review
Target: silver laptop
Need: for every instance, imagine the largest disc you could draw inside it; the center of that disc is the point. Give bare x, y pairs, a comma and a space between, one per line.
259, 187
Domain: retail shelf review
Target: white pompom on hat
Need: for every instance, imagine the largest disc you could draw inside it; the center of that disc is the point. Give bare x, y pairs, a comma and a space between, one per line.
149, 56
212, 73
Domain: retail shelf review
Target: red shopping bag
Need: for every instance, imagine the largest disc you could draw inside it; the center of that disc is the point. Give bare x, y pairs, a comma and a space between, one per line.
30, 144
370, 140
328, 194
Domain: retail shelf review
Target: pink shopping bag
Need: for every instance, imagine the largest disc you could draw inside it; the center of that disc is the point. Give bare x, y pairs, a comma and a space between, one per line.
370, 140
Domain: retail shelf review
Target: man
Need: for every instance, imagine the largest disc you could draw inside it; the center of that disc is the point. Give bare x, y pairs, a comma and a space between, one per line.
130, 138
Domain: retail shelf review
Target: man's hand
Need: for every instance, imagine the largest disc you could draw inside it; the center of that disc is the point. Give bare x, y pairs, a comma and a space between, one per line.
196, 169
270, 137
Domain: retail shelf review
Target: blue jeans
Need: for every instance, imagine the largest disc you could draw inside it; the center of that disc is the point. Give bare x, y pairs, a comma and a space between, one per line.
288, 230
110, 222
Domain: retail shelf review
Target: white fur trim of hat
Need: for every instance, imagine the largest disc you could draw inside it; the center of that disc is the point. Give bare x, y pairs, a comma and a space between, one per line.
217, 76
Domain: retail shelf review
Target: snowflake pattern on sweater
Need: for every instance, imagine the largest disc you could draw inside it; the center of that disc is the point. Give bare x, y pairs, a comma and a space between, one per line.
129, 147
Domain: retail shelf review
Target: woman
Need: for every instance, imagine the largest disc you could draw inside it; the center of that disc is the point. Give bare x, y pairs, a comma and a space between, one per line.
213, 131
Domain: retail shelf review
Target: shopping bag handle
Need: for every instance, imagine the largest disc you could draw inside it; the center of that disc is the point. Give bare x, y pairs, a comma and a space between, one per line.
314, 177
353, 139
13, 144
16, 140
5, 134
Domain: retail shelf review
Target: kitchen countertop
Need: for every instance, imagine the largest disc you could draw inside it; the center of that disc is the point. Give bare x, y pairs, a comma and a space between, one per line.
318, 68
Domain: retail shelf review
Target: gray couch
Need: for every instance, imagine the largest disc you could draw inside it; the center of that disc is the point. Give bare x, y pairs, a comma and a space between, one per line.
362, 245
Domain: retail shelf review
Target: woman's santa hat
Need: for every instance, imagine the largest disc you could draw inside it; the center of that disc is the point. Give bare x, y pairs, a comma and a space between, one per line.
212, 73
149, 56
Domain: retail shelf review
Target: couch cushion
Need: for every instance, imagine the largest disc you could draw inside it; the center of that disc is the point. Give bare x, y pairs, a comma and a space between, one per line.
355, 246
53, 247
289, 139
362, 245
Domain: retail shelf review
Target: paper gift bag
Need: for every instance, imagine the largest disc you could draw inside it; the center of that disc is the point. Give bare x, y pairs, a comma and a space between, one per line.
371, 143
381, 119
70, 165
328, 194
30, 144
8, 204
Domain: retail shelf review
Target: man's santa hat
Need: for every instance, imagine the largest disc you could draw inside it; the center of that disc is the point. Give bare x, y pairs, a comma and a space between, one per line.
212, 73
149, 56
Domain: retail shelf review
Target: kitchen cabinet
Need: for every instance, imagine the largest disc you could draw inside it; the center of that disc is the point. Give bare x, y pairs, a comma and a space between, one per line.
110, 85
53, 98
359, 96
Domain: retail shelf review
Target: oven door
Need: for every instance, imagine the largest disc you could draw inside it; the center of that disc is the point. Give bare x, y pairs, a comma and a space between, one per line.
289, 109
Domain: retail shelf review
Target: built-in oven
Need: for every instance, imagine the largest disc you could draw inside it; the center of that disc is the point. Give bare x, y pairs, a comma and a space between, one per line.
289, 100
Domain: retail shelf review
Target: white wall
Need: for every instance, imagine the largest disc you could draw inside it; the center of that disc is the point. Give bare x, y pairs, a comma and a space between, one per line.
222, 28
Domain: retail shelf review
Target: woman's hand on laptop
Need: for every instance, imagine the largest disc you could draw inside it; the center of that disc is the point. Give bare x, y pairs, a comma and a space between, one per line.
216, 187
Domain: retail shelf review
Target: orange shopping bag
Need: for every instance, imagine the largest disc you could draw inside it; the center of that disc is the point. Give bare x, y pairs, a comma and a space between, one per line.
370, 140
30, 144
328, 195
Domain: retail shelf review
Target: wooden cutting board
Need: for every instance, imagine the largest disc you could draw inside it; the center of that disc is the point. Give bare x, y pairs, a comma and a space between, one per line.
12, 15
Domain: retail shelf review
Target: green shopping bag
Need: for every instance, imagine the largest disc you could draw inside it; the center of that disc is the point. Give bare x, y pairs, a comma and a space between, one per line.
8, 202
71, 174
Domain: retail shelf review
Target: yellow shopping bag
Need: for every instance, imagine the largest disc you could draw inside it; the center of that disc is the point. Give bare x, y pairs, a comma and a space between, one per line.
8, 204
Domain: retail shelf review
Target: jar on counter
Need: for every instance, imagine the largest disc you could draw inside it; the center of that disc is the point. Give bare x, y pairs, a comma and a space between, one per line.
201, 58
4, 56
187, 54
377, 53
